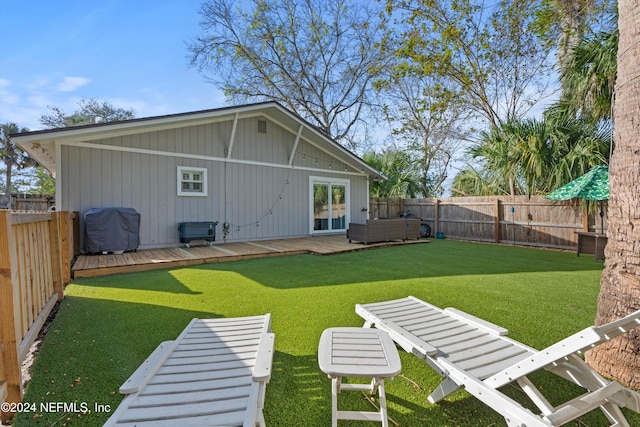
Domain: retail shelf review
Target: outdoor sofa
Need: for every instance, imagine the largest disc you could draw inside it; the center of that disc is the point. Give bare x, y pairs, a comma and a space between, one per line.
383, 230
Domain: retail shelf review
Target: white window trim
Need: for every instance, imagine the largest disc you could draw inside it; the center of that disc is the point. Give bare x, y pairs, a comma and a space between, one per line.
329, 181
183, 169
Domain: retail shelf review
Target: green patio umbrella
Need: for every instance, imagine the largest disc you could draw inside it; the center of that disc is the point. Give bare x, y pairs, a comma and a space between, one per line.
594, 185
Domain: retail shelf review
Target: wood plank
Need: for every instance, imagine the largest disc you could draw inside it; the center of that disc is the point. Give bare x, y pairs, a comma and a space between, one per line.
128, 259
27, 218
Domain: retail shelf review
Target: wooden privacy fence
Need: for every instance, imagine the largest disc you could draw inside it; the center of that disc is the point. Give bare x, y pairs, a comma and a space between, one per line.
36, 250
32, 202
518, 220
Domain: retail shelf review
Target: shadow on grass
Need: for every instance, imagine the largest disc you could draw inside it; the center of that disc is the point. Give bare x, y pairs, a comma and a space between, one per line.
155, 280
299, 394
91, 348
442, 259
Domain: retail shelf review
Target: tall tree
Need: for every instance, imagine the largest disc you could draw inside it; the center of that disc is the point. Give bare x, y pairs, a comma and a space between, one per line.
490, 52
317, 57
427, 117
88, 112
13, 158
565, 24
620, 282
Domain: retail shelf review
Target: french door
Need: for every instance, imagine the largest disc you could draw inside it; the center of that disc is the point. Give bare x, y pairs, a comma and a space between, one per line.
329, 204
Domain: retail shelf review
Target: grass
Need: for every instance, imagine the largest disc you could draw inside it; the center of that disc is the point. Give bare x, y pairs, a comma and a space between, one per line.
107, 326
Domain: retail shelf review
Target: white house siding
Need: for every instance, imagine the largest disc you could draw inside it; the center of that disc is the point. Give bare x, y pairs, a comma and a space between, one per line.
257, 200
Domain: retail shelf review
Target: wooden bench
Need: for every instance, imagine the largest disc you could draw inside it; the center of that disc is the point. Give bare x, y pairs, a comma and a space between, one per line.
215, 373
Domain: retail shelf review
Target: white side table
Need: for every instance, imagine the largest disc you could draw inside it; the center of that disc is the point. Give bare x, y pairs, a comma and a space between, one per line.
358, 352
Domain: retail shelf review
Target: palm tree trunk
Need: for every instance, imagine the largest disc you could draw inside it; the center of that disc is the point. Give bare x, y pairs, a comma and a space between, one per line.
620, 282
8, 176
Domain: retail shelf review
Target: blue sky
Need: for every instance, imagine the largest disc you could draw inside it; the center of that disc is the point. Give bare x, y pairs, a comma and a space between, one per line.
131, 53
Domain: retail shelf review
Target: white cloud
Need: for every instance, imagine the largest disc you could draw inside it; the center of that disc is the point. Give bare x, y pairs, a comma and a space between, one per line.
70, 84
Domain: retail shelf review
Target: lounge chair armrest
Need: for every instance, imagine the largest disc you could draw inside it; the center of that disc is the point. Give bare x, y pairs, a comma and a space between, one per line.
483, 324
620, 326
148, 368
264, 358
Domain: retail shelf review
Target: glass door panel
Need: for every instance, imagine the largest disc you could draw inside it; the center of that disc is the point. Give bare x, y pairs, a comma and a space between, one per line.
338, 207
320, 207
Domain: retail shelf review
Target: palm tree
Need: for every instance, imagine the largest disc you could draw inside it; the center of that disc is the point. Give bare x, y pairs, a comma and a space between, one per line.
12, 156
534, 156
403, 176
620, 282
497, 152
577, 147
472, 182
589, 77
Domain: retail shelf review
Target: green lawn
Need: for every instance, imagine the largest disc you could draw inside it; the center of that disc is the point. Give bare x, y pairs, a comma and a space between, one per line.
107, 326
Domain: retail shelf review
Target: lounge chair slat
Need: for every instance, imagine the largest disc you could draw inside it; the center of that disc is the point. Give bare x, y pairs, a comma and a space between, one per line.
178, 411
198, 396
478, 349
190, 386
229, 419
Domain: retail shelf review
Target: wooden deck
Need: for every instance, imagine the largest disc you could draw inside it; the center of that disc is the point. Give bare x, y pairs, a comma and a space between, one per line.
152, 259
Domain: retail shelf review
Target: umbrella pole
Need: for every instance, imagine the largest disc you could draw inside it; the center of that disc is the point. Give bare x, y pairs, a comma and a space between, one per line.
601, 218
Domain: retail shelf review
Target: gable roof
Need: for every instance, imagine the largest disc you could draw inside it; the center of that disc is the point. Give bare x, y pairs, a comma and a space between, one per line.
41, 144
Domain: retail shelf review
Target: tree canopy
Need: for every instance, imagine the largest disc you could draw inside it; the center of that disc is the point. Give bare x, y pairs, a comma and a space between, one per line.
316, 57
489, 52
88, 112
12, 157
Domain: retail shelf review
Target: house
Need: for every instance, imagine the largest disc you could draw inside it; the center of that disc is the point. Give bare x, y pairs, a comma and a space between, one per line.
259, 170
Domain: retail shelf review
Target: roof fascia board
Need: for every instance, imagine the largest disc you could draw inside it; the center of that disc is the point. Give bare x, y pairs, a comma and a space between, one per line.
361, 163
71, 136
169, 121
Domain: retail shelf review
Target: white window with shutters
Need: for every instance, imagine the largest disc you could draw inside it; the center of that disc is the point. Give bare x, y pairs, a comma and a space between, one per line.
192, 181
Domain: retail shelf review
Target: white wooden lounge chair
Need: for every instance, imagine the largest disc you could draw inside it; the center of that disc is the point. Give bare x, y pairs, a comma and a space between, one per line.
476, 355
213, 374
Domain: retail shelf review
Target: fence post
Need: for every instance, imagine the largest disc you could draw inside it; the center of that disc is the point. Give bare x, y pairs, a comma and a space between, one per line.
585, 220
64, 247
54, 252
496, 218
8, 341
436, 224
75, 223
